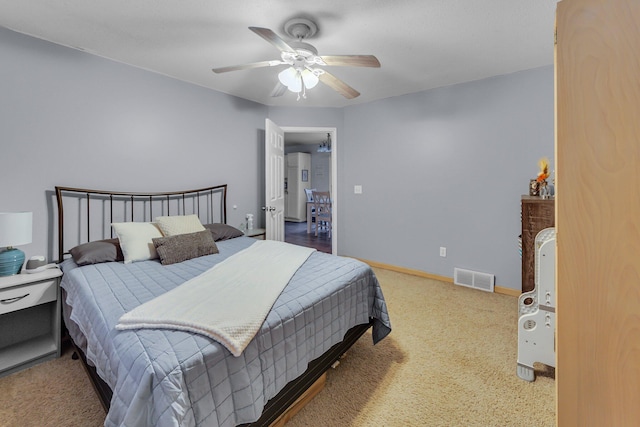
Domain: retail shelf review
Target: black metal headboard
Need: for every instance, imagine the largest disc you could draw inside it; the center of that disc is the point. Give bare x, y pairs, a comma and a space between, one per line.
79, 207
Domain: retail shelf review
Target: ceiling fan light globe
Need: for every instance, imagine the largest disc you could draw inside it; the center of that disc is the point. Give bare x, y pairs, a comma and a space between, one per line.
288, 76
291, 79
310, 79
296, 85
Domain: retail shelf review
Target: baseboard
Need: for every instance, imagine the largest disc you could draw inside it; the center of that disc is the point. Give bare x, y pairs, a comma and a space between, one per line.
405, 270
420, 273
506, 291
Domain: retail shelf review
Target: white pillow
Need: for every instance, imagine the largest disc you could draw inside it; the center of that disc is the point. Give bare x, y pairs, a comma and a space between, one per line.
179, 224
135, 240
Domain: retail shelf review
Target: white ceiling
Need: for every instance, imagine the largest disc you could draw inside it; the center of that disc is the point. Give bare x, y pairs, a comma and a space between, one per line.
421, 44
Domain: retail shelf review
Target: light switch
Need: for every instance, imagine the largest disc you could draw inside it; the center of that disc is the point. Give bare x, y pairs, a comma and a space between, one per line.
357, 189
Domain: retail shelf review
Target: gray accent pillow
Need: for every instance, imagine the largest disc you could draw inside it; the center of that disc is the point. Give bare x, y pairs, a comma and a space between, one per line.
96, 252
181, 247
223, 231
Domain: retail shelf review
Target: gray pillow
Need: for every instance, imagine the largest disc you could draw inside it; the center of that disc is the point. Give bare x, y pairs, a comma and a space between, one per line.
96, 252
181, 247
223, 231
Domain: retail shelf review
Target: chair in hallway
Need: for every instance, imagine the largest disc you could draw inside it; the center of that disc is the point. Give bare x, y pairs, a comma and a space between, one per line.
322, 207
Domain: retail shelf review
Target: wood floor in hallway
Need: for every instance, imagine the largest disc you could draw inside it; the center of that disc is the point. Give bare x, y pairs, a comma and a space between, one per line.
296, 233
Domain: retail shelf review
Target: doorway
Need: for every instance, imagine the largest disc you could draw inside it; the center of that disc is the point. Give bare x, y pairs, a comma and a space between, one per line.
322, 176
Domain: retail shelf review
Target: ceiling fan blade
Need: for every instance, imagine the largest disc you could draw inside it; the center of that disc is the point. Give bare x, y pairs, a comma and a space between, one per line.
272, 38
338, 85
352, 60
278, 90
247, 66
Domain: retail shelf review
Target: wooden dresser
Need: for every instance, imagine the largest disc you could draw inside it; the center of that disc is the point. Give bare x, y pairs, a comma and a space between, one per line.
537, 214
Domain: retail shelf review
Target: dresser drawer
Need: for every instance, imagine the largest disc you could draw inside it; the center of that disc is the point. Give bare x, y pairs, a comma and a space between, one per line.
19, 297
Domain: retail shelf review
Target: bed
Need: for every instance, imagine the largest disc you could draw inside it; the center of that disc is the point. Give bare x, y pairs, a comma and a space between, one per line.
165, 377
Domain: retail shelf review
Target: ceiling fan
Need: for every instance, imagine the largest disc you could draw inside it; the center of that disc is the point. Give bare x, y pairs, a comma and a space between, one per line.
304, 63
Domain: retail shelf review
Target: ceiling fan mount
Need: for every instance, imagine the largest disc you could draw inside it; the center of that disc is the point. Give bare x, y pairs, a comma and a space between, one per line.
303, 61
300, 28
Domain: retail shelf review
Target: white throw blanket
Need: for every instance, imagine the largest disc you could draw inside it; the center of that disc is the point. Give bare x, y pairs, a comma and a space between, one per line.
228, 302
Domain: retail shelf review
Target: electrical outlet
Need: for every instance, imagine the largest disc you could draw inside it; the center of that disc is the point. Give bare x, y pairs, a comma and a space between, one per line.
443, 251
357, 189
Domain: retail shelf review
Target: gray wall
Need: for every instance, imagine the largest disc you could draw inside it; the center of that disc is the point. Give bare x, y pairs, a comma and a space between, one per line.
444, 167
70, 118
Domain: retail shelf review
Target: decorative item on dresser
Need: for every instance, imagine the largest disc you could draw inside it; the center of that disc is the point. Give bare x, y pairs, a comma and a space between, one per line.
29, 319
539, 186
537, 213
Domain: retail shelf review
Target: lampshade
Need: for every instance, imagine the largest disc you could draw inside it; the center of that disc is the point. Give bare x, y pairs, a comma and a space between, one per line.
291, 79
310, 79
15, 229
295, 80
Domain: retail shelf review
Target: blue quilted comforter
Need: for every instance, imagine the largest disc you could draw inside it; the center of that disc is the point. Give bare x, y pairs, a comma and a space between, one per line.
174, 378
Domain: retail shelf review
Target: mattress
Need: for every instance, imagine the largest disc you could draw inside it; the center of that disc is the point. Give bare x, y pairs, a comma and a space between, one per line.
176, 378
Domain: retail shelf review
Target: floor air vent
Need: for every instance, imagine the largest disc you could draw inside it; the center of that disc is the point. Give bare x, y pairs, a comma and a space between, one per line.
473, 279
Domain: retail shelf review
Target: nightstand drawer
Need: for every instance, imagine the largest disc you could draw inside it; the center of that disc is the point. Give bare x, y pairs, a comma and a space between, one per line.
19, 297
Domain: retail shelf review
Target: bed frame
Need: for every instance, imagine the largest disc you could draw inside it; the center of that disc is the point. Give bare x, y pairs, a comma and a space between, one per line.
91, 212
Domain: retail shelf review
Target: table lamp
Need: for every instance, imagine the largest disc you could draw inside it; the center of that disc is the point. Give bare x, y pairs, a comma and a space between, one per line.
15, 229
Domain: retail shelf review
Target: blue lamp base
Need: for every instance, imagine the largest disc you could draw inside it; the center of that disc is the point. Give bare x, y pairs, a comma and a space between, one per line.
11, 261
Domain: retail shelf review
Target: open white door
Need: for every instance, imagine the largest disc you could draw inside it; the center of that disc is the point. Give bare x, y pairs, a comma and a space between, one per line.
274, 181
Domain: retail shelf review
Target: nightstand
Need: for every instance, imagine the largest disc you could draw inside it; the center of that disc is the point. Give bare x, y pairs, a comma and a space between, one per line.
29, 319
257, 233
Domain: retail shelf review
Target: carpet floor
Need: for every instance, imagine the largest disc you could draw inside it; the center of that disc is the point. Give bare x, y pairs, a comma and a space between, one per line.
449, 361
